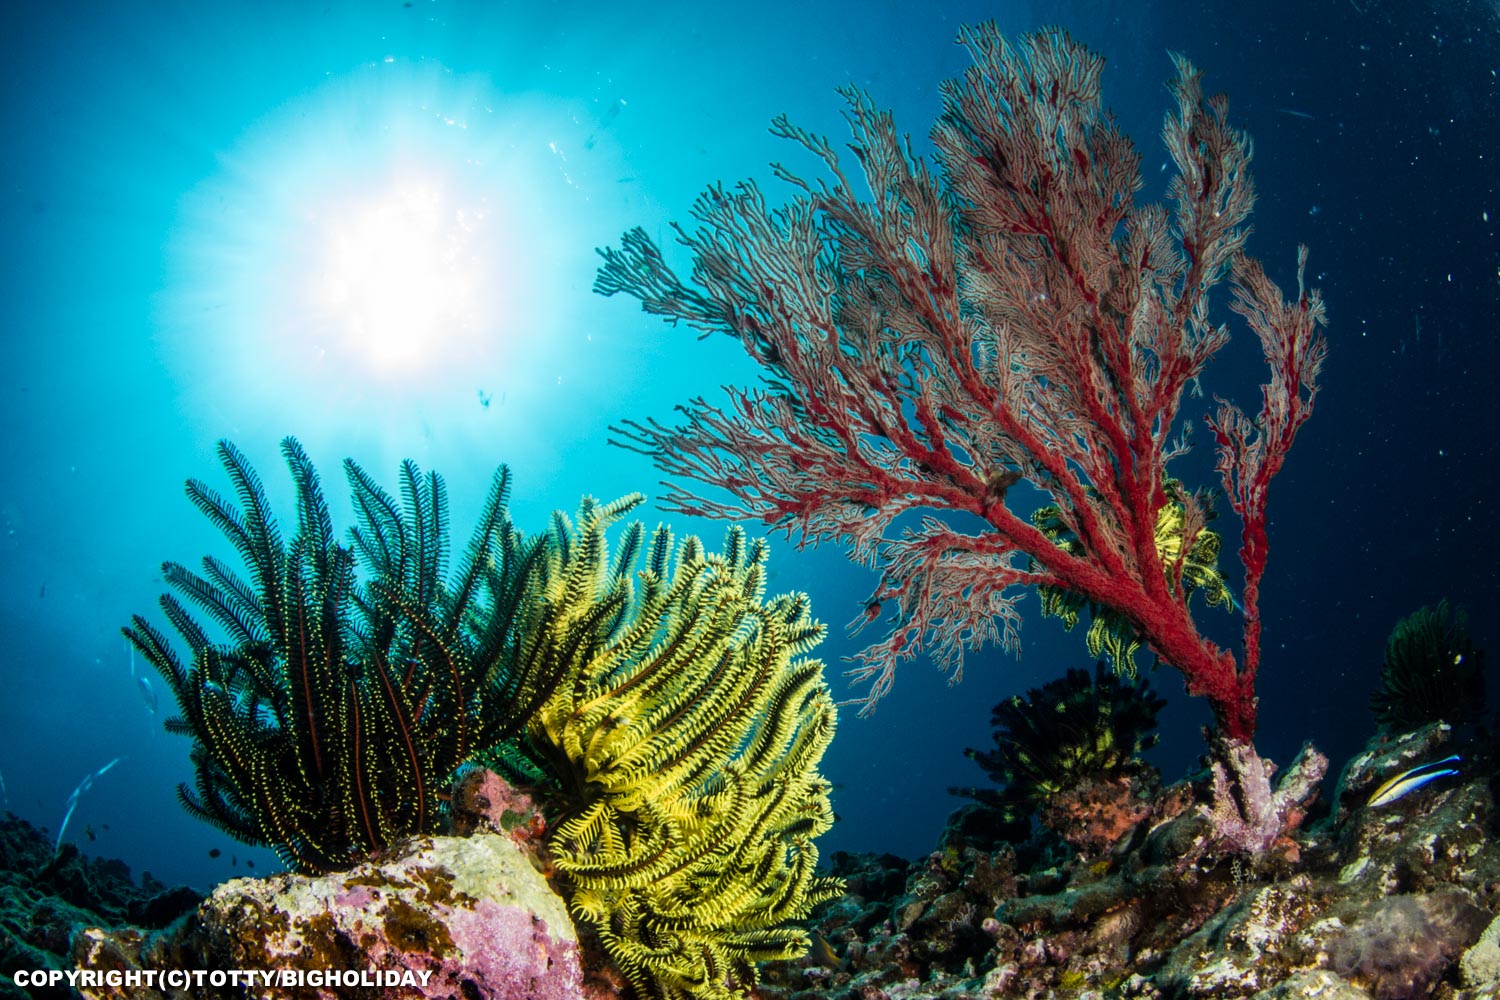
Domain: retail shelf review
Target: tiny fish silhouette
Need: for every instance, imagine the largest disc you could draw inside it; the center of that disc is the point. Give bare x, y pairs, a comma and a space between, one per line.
148, 693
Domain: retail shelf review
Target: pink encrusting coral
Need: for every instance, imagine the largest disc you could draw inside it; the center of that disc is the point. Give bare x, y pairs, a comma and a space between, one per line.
472, 912
484, 801
440, 918
1248, 813
1011, 317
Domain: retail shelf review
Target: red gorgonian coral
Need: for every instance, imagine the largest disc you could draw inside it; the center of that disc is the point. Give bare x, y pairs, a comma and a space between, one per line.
1012, 315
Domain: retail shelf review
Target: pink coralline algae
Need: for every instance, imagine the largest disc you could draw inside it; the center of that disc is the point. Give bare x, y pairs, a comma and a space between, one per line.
484, 801
1261, 816
472, 911
468, 917
1098, 811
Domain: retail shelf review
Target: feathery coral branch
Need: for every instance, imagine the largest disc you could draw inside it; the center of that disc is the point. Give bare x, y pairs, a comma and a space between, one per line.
1012, 315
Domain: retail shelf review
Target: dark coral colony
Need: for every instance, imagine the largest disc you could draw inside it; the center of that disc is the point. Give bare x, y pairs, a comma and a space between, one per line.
582, 761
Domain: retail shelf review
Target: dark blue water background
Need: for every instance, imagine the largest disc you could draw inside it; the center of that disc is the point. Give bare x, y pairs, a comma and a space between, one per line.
171, 173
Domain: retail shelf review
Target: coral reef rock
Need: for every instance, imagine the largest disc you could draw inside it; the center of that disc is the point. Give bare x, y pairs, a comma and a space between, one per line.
1480, 966
1357, 902
1400, 946
485, 802
439, 917
47, 892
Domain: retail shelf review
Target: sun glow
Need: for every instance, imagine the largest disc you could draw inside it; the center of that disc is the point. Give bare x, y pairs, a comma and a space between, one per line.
400, 274
396, 240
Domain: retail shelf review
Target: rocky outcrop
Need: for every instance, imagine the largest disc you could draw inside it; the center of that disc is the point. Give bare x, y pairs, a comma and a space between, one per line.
456, 918
1359, 903
47, 892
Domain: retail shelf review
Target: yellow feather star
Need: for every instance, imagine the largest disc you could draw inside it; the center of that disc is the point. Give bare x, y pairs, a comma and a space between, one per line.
686, 728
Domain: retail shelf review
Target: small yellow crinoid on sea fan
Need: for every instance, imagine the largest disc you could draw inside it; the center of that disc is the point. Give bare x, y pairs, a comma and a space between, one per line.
1189, 554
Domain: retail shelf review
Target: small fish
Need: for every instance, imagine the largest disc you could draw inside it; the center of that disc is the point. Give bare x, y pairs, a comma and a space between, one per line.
822, 953
1297, 114
83, 786
148, 693
608, 118
1411, 780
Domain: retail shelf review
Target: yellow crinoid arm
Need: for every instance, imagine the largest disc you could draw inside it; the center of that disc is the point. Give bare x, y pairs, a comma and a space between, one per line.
688, 725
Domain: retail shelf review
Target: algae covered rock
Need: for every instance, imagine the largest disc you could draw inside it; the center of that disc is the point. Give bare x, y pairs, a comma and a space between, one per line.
1480, 965
441, 917
1400, 946
47, 891
1319, 983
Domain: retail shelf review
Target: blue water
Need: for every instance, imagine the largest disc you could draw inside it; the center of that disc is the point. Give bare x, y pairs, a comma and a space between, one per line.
183, 189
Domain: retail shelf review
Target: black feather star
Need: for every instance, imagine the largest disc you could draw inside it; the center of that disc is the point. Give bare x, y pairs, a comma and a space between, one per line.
333, 690
1432, 672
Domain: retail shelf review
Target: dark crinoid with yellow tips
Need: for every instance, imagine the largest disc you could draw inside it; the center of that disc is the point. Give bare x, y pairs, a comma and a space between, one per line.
1432, 672
333, 690
1069, 754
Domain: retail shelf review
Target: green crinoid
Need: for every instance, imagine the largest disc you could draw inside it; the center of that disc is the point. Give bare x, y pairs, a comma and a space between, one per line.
329, 706
1110, 634
1431, 672
683, 738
